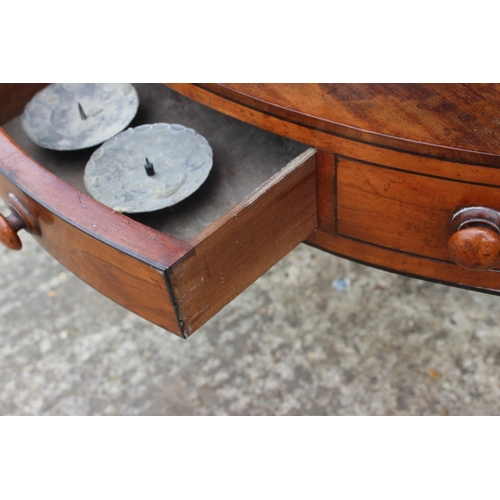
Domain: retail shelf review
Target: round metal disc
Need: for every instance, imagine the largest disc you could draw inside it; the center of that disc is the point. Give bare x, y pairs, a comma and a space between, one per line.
116, 174
70, 116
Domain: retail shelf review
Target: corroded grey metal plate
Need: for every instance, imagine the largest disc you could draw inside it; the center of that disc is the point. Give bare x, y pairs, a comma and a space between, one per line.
116, 176
53, 118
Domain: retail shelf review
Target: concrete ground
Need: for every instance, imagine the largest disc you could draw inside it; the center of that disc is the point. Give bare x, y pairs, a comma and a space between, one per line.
316, 335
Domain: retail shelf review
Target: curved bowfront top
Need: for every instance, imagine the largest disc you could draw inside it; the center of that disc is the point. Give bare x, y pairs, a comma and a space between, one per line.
459, 122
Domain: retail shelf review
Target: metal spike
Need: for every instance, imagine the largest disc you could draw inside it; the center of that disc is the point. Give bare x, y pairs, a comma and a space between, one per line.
149, 168
83, 116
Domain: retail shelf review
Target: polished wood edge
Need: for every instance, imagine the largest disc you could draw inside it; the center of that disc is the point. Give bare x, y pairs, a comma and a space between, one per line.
318, 132
311, 241
246, 242
437, 271
85, 213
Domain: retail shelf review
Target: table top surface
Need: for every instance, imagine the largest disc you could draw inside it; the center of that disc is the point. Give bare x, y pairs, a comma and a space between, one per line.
423, 118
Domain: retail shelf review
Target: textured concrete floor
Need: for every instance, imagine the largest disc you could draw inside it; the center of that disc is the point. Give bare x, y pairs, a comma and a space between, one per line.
316, 335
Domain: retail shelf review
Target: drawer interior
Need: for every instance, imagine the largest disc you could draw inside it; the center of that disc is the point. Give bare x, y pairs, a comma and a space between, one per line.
244, 158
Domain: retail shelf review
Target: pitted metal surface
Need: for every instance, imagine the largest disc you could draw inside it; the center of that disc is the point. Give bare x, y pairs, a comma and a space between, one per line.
178, 160
72, 116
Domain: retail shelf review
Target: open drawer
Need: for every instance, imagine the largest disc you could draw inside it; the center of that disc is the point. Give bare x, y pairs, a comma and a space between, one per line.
175, 267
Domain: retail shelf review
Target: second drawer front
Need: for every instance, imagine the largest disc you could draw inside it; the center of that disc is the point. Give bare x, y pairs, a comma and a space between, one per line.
402, 210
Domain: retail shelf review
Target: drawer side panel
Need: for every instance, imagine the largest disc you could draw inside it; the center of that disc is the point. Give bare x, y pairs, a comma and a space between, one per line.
246, 242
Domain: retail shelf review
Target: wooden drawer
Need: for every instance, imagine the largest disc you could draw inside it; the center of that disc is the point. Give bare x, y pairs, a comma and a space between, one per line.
395, 213
397, 209
179, 266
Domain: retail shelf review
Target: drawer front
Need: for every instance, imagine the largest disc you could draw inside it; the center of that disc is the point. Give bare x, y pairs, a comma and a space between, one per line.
396, 215
119, 257
400, 210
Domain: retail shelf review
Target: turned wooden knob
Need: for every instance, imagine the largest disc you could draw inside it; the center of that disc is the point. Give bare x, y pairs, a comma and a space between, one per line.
475, 243
9, 226
476, 248
18, 219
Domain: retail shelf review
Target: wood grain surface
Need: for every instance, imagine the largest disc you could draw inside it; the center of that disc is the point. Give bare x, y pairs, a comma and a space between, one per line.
246, 242
402, 210
453, 121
